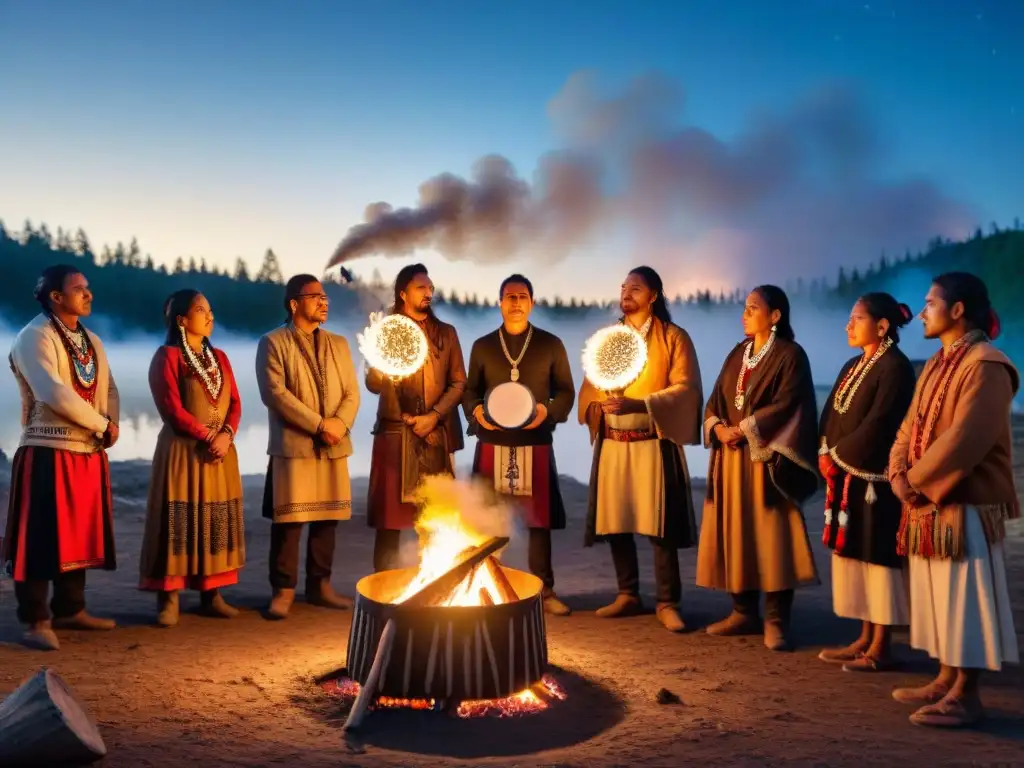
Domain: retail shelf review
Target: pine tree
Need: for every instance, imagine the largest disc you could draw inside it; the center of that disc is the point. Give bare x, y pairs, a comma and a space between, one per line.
81, 246
192, 266
179, 266
241, 270
134, 256
270, 270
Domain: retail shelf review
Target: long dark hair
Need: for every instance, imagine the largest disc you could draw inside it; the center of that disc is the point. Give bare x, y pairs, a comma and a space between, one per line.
402, 279
177, 305
883, 306
293, 289
970, 291
776, 299
653, 282
52, 279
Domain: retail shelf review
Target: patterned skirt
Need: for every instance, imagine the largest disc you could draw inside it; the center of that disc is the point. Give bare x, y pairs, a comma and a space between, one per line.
542, 507
195, 535
59, 517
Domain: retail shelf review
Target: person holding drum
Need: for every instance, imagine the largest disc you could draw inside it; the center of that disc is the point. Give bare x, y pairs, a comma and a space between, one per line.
518, 388
418, 428
639, 482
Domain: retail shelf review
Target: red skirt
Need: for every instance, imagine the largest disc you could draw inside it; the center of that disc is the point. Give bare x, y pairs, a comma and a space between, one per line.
385, 509
59, 517
543, 509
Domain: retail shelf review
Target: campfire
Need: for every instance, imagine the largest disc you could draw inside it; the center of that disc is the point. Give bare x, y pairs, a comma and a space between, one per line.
459, 631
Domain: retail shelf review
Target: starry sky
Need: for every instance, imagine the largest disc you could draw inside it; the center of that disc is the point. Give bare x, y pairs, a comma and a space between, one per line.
782, 137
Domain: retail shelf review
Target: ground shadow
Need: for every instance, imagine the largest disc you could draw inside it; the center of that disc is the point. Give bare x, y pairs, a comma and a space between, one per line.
587, 711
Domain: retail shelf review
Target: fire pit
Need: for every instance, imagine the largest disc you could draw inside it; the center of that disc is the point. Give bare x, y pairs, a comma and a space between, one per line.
459, 629
451, 652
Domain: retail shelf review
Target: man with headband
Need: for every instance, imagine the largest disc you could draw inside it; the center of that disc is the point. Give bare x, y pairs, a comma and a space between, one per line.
639, 483
418, 428
309, 385
517, 456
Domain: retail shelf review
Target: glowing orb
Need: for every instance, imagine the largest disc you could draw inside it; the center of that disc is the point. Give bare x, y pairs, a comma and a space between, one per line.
614, 357
393, 345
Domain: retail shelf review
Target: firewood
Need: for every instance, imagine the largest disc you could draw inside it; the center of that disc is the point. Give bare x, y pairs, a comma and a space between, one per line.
43, 723
485, 597
508, 593
368, 691
442, 586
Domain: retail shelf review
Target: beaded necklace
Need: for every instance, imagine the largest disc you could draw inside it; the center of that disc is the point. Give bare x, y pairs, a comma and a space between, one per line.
83, 360
206, 370
749, 364
855, 377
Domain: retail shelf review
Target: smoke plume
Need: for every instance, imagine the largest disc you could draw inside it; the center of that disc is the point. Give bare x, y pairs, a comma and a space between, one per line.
799, 190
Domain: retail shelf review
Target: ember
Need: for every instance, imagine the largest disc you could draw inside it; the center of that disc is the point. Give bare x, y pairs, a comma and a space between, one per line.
526, 702
459, 630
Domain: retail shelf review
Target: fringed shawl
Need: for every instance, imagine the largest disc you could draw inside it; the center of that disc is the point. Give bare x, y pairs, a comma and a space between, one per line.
954, 447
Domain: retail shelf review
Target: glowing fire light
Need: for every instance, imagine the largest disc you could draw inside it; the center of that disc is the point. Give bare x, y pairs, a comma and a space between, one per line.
614, 357
393, 345
443, 536
526, 702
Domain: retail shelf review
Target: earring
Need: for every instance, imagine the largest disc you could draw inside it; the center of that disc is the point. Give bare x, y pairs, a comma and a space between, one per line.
774, 328
181, 330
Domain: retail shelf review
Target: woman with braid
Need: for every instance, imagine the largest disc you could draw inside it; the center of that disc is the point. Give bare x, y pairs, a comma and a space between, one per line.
858, 426
194, 536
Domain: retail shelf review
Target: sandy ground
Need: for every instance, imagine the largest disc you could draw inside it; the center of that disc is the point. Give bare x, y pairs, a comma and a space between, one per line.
230, 693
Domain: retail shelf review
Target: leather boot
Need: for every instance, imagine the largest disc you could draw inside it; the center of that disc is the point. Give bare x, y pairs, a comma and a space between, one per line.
623, 605
554, 606
668, 615
83, 620
41, 637
735, 624
214, 605
776, 636
281, 603
167, 608
321, 593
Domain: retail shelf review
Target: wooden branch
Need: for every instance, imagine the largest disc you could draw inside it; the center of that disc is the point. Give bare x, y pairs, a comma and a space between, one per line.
505, 589
442, 586
368, 692
485, 597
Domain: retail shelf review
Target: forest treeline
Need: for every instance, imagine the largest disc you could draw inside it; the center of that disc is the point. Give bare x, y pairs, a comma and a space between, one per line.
129, 285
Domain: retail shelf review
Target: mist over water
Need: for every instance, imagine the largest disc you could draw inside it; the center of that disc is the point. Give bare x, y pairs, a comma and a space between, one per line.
715, 330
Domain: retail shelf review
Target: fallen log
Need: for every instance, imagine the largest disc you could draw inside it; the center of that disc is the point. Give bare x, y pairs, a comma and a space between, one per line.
43, 723
368, 692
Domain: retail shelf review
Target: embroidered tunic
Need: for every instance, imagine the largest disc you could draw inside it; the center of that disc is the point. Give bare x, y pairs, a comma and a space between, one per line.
195, 530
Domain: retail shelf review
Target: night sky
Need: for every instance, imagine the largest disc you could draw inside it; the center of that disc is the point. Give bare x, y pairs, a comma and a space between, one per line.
722, 142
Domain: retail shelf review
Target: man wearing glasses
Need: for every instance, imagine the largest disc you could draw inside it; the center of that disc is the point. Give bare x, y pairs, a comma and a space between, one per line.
308, 382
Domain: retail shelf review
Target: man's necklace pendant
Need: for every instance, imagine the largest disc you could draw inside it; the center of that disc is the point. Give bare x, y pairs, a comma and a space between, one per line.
515, 374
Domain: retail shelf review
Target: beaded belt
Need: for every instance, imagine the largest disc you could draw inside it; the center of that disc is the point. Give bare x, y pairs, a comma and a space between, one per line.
629, 435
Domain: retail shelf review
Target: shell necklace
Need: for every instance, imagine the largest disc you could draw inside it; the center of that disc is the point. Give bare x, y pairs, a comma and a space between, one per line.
749, 364
522, 353
852, 381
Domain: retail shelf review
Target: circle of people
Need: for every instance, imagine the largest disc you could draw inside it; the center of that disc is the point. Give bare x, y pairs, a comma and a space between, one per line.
916, 466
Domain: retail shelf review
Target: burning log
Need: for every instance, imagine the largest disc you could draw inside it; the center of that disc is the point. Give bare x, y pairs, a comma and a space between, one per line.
43, 723
441, 587
508, 595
